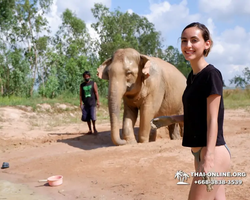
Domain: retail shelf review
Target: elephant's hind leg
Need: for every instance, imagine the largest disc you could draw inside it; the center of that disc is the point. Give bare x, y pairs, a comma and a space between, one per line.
152, 135
174, 131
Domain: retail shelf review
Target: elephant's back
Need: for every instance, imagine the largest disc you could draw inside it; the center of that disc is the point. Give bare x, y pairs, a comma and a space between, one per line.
174, 85
169, 71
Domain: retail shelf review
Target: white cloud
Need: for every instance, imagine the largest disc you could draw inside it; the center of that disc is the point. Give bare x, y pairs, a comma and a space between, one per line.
130, 11
210, 25
168, 17
159, 9
213, 5
236, 43
218, 48
222, 9
53, 18
93, 34
236, 68
82, 10
231, 52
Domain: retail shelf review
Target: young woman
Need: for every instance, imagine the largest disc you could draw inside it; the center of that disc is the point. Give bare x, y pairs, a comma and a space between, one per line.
203, 113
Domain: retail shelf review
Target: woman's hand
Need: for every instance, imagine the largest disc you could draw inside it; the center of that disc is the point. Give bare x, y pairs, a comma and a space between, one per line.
207, 164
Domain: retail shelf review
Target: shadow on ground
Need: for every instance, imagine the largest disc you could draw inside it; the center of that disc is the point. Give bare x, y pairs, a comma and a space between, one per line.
89, 142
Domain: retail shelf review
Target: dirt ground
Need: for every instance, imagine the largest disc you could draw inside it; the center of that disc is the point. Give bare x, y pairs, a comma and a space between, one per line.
93, 168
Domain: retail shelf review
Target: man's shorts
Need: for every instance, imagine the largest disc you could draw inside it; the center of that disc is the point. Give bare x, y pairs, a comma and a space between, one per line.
88, 113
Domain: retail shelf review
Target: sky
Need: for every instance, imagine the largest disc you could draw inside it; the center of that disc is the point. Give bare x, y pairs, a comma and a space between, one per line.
227, 20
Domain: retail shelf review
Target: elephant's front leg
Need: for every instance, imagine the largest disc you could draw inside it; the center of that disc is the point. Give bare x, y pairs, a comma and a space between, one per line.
129, 120
146, 115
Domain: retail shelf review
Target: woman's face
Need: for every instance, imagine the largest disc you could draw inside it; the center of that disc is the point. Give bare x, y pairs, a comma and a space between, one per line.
193, 44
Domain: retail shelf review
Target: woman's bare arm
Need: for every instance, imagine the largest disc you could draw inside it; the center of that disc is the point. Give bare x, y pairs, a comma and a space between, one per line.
213, 103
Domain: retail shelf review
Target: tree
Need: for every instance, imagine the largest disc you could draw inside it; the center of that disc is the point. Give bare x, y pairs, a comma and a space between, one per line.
241, 81
31, 23
6, 18
72, 38
6, 13
121, 30
72, 44
49, 89
173, 56
23, 26
13, 70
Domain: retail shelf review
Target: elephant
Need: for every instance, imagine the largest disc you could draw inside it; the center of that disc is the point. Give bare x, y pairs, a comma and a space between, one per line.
146, 84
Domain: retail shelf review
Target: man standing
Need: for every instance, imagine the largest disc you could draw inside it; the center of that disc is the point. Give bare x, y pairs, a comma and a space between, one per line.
89, 98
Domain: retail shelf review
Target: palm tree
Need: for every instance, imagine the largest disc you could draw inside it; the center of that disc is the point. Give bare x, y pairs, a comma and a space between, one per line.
185, 177
178, 175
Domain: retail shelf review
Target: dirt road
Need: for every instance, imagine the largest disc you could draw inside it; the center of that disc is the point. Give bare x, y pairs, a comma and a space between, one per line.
93, 168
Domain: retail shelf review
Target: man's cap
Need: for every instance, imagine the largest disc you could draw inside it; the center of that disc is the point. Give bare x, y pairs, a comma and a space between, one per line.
86, 73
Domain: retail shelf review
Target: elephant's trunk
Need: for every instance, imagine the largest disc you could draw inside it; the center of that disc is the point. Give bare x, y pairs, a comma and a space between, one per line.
115, 97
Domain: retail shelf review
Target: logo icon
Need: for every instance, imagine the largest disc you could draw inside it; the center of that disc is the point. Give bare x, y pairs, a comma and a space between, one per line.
182, 177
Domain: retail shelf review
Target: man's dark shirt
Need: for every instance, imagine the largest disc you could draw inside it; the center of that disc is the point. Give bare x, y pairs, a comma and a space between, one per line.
88, 94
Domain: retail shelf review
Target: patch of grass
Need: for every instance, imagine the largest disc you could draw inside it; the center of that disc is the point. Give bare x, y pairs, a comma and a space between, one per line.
233, 99
102, 113
56, 114
51, 120
32, 102
35, 123
248, 109
236, 98
64, 120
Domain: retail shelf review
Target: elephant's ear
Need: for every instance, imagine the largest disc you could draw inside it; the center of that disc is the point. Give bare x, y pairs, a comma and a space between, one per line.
146, 64
102, 70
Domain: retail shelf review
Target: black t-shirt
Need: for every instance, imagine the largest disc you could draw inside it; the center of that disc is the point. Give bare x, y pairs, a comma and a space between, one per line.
88, 94
199, 87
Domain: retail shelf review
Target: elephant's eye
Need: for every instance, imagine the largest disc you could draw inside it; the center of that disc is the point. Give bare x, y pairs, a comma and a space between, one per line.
129, 72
